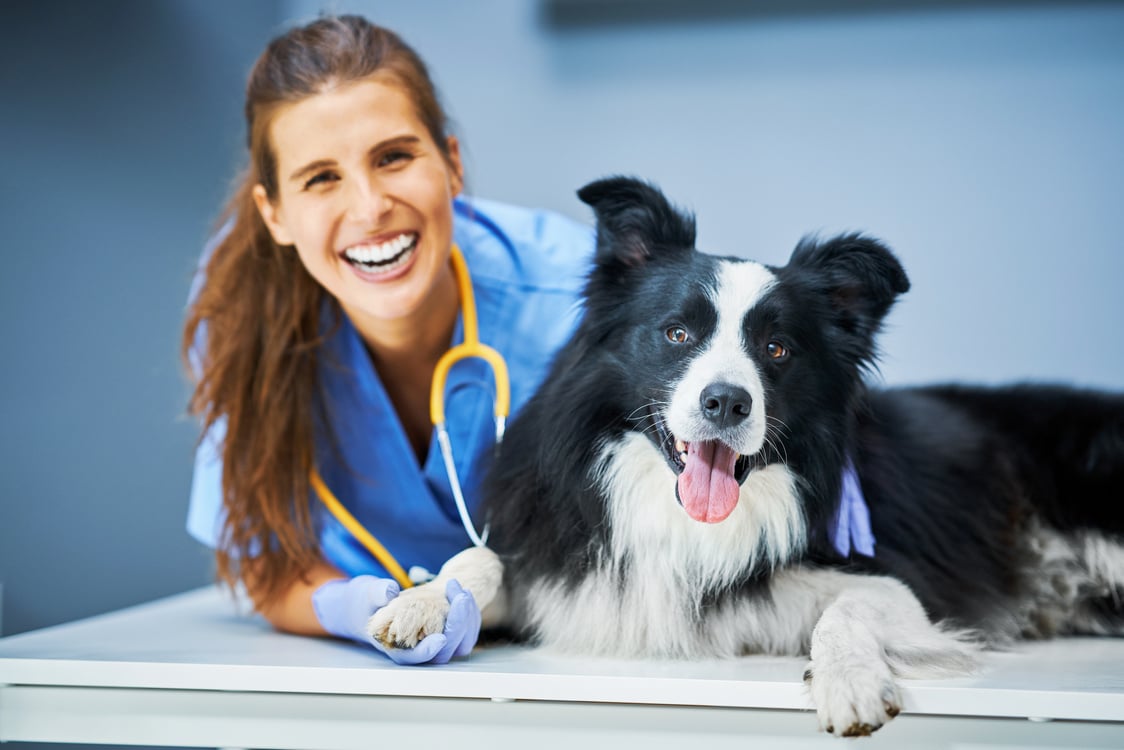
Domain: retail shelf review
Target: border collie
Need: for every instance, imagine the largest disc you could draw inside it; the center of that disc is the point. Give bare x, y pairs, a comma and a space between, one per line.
705, 472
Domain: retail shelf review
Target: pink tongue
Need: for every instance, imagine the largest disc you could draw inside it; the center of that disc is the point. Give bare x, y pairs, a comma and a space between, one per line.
707, 487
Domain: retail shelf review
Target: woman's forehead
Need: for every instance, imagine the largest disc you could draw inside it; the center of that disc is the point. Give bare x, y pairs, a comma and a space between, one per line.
343, 120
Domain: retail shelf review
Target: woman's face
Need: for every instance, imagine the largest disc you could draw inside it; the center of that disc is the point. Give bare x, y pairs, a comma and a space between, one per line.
365, 196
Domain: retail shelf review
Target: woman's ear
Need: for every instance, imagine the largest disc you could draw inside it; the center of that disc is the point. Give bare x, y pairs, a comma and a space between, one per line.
456, 179
271, 215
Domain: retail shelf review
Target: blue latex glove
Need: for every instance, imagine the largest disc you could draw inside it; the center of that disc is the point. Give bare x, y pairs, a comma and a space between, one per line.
462, 628
344, 605
343, 608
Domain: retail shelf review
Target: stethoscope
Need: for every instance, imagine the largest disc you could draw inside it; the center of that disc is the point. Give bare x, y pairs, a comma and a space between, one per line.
469, 348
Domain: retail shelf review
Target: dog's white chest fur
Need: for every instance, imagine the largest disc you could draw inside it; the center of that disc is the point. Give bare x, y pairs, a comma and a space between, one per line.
651, 580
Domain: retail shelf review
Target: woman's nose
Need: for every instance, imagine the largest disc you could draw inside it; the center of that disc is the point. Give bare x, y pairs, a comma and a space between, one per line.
368, 201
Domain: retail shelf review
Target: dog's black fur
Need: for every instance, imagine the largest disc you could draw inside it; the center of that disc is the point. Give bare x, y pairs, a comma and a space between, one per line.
959, 480
1000, 509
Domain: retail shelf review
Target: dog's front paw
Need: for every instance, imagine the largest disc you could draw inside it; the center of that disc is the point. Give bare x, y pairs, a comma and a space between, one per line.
410, 617
853, 699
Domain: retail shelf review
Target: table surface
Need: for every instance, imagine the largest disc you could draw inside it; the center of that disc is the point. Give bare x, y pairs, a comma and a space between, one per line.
206, 640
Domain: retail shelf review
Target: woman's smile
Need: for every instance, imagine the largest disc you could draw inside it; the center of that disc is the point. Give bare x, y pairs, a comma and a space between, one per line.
365, 196
375, 260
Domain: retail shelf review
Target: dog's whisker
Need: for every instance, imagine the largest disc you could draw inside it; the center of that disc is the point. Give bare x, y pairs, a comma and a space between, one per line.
644, 410
777, 445
771, 421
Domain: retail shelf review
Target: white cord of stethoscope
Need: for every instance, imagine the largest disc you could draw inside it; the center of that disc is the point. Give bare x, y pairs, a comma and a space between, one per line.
480, 540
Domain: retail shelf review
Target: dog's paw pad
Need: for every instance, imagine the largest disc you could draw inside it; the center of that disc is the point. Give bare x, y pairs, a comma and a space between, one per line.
408, 618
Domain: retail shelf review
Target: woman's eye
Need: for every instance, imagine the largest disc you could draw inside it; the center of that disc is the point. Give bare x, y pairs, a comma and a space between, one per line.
776, 350
320, 178
677, 335
395, 157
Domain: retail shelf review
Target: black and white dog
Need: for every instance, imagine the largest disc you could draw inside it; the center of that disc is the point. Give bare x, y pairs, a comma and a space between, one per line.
705, 472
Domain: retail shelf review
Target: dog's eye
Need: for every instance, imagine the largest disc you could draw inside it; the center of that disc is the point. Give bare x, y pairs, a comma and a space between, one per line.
677, 335
776, 351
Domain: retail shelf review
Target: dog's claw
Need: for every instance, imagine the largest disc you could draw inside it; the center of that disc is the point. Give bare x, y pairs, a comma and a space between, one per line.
859, 730
853, 700
890, 703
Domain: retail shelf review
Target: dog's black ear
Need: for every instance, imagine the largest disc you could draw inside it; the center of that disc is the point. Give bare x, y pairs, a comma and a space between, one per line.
860, 276
635, 220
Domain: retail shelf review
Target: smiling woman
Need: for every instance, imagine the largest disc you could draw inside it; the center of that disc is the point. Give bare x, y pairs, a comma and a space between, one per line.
319, 315
367, 202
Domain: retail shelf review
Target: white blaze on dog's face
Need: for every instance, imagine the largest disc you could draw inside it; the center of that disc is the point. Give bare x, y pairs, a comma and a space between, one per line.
717, 412
674, 324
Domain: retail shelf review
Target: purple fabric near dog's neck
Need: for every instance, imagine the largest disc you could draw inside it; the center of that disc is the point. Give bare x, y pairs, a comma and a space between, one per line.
851, 527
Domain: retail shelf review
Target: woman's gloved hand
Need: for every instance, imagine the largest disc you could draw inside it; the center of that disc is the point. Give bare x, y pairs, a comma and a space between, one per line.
343, 607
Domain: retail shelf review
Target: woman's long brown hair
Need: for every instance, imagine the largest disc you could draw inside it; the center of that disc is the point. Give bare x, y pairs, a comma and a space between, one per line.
253, 333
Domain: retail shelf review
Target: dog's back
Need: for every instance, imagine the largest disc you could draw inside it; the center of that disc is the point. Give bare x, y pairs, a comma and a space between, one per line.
1000, 506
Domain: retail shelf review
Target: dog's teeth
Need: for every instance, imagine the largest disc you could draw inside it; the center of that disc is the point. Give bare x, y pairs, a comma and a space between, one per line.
683, 456
681, 447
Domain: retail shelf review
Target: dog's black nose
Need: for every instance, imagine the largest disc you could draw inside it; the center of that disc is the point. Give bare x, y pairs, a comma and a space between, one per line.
724, 404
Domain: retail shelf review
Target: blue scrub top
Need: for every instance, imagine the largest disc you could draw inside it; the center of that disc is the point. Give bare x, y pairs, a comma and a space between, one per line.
527, 268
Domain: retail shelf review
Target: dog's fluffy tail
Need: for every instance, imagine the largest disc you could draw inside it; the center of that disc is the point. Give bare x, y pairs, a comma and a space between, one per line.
941, 651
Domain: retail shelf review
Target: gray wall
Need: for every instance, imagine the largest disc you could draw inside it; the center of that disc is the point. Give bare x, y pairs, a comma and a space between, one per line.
120, 124
982, 140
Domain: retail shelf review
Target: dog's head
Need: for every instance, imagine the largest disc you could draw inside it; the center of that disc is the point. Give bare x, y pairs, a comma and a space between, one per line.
731, 365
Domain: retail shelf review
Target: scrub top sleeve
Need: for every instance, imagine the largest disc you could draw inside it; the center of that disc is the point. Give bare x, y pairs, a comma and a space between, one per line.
568, 242
205, 514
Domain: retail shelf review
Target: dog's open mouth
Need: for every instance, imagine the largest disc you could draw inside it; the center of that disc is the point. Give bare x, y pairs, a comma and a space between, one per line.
709, 474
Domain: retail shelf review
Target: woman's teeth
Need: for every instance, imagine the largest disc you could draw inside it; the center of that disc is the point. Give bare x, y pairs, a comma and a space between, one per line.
383, 257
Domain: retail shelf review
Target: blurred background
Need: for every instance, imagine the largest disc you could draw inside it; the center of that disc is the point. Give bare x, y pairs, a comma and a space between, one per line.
984, 141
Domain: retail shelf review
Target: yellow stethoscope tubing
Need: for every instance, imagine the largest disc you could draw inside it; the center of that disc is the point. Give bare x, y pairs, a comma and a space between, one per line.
356, 529
468, 349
